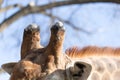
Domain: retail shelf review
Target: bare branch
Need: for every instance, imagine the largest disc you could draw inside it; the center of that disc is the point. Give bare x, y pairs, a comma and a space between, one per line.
1, 1
10, 7
67, 22
35, 9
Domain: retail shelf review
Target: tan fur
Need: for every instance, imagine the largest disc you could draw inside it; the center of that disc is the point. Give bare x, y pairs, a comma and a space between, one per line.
26, 70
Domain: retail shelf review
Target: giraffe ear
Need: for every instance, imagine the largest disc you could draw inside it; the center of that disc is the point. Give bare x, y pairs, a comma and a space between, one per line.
8, 67
81, 71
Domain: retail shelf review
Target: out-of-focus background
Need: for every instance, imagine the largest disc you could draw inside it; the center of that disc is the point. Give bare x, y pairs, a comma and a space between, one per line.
87, 22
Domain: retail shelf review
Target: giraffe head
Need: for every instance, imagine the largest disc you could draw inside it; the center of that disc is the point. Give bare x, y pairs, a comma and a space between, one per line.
48, 63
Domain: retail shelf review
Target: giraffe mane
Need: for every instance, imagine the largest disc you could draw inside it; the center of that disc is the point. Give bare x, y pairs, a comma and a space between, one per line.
88, 51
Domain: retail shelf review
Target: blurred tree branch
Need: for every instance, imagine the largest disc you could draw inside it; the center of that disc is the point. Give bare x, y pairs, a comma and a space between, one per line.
1, 1
65, 21
10, 7
38, 9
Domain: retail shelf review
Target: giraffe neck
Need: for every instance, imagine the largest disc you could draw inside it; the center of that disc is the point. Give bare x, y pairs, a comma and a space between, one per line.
103, 68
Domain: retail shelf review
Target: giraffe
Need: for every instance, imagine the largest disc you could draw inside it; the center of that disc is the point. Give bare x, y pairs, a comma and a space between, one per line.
51, 63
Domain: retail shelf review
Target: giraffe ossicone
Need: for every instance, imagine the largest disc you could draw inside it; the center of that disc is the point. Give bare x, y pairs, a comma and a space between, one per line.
32, 27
